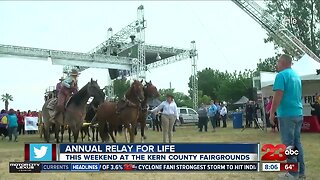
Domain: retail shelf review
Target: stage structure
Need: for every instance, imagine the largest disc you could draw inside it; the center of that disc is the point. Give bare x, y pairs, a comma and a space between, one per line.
278, 32
124, 54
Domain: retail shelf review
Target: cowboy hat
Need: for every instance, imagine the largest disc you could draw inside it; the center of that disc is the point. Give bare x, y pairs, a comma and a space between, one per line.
74, 72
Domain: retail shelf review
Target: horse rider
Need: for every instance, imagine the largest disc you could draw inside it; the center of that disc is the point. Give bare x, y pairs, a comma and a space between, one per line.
59, 86
69, 87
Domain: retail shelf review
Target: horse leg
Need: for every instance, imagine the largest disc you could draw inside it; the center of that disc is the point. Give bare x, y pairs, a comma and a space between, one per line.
131, 132
102, 132
126, 134
89, 137
75, 134
143, 137
96, 131
93, 130
57, 130
69, 132
47, 133
135, 131
62, 132
110, 131
82, 130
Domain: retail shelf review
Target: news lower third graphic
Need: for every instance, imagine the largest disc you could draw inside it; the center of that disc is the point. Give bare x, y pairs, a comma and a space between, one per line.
40, 152
278, 152
159, 152
191, 157
24, 167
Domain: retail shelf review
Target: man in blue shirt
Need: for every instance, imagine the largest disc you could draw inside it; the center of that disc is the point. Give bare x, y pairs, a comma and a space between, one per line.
287, 103
211, 114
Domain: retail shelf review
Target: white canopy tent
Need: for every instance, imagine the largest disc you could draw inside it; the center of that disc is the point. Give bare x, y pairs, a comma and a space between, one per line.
306, 67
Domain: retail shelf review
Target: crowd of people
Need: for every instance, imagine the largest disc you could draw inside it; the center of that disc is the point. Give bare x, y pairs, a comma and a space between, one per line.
12, 123
214, 113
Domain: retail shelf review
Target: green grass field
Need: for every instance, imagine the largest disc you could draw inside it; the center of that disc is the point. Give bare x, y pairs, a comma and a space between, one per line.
11, 152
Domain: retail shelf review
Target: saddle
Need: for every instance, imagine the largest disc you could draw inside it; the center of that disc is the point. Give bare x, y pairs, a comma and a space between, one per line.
53, 104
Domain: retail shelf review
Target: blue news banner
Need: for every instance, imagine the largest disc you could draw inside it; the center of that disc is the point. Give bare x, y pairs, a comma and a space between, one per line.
145, 157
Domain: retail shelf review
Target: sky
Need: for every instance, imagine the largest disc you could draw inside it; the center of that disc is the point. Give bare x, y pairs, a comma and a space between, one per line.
226, 39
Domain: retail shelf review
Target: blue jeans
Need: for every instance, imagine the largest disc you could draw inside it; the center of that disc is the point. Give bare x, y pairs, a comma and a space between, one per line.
213, 122
290, 130
13, 131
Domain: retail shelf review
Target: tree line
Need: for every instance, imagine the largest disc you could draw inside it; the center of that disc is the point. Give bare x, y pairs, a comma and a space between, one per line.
231, 86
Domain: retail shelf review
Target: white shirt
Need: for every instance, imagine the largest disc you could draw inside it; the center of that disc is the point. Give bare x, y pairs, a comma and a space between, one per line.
168, 109
223, 111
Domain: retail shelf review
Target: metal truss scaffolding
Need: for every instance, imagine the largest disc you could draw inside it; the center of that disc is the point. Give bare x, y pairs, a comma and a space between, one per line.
276, 29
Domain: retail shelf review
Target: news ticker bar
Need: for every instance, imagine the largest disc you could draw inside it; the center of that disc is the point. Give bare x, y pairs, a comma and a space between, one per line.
37, 167
276, 167
159, 157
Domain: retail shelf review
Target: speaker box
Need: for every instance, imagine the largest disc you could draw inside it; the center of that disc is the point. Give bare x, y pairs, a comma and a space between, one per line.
113, 73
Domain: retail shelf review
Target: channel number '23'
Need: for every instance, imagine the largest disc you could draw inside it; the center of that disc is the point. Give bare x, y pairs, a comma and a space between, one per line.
271, 155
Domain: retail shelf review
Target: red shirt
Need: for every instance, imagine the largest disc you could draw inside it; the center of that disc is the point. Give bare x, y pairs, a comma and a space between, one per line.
20, 119
268, 107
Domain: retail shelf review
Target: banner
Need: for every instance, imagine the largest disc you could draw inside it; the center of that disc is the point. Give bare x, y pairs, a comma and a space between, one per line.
30, 123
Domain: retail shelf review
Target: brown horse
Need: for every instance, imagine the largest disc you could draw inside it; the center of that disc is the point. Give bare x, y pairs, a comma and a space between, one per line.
74, 112
111, 115
150, 92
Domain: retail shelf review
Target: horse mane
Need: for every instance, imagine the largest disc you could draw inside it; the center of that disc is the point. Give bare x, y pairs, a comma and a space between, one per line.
78, 97
145, 93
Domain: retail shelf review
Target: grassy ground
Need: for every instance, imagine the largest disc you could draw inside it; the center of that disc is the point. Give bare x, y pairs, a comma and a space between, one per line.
10, 151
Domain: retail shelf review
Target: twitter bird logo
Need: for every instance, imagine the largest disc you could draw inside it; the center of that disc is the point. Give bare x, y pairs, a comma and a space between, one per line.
40, 152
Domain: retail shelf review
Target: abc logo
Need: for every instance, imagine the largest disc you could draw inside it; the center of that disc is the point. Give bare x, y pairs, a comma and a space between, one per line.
291, 151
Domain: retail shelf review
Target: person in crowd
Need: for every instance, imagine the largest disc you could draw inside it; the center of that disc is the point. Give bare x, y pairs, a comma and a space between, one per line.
59, 86
12, 125
158, 120
316, 107
288, 105
211, 114
249, 113
203, 118
3, 124
267, 110
275, 124
168, 117
29, 114
20, 122
257, 114
224, 114
153, 117
217, 115
69, 87
35, 114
